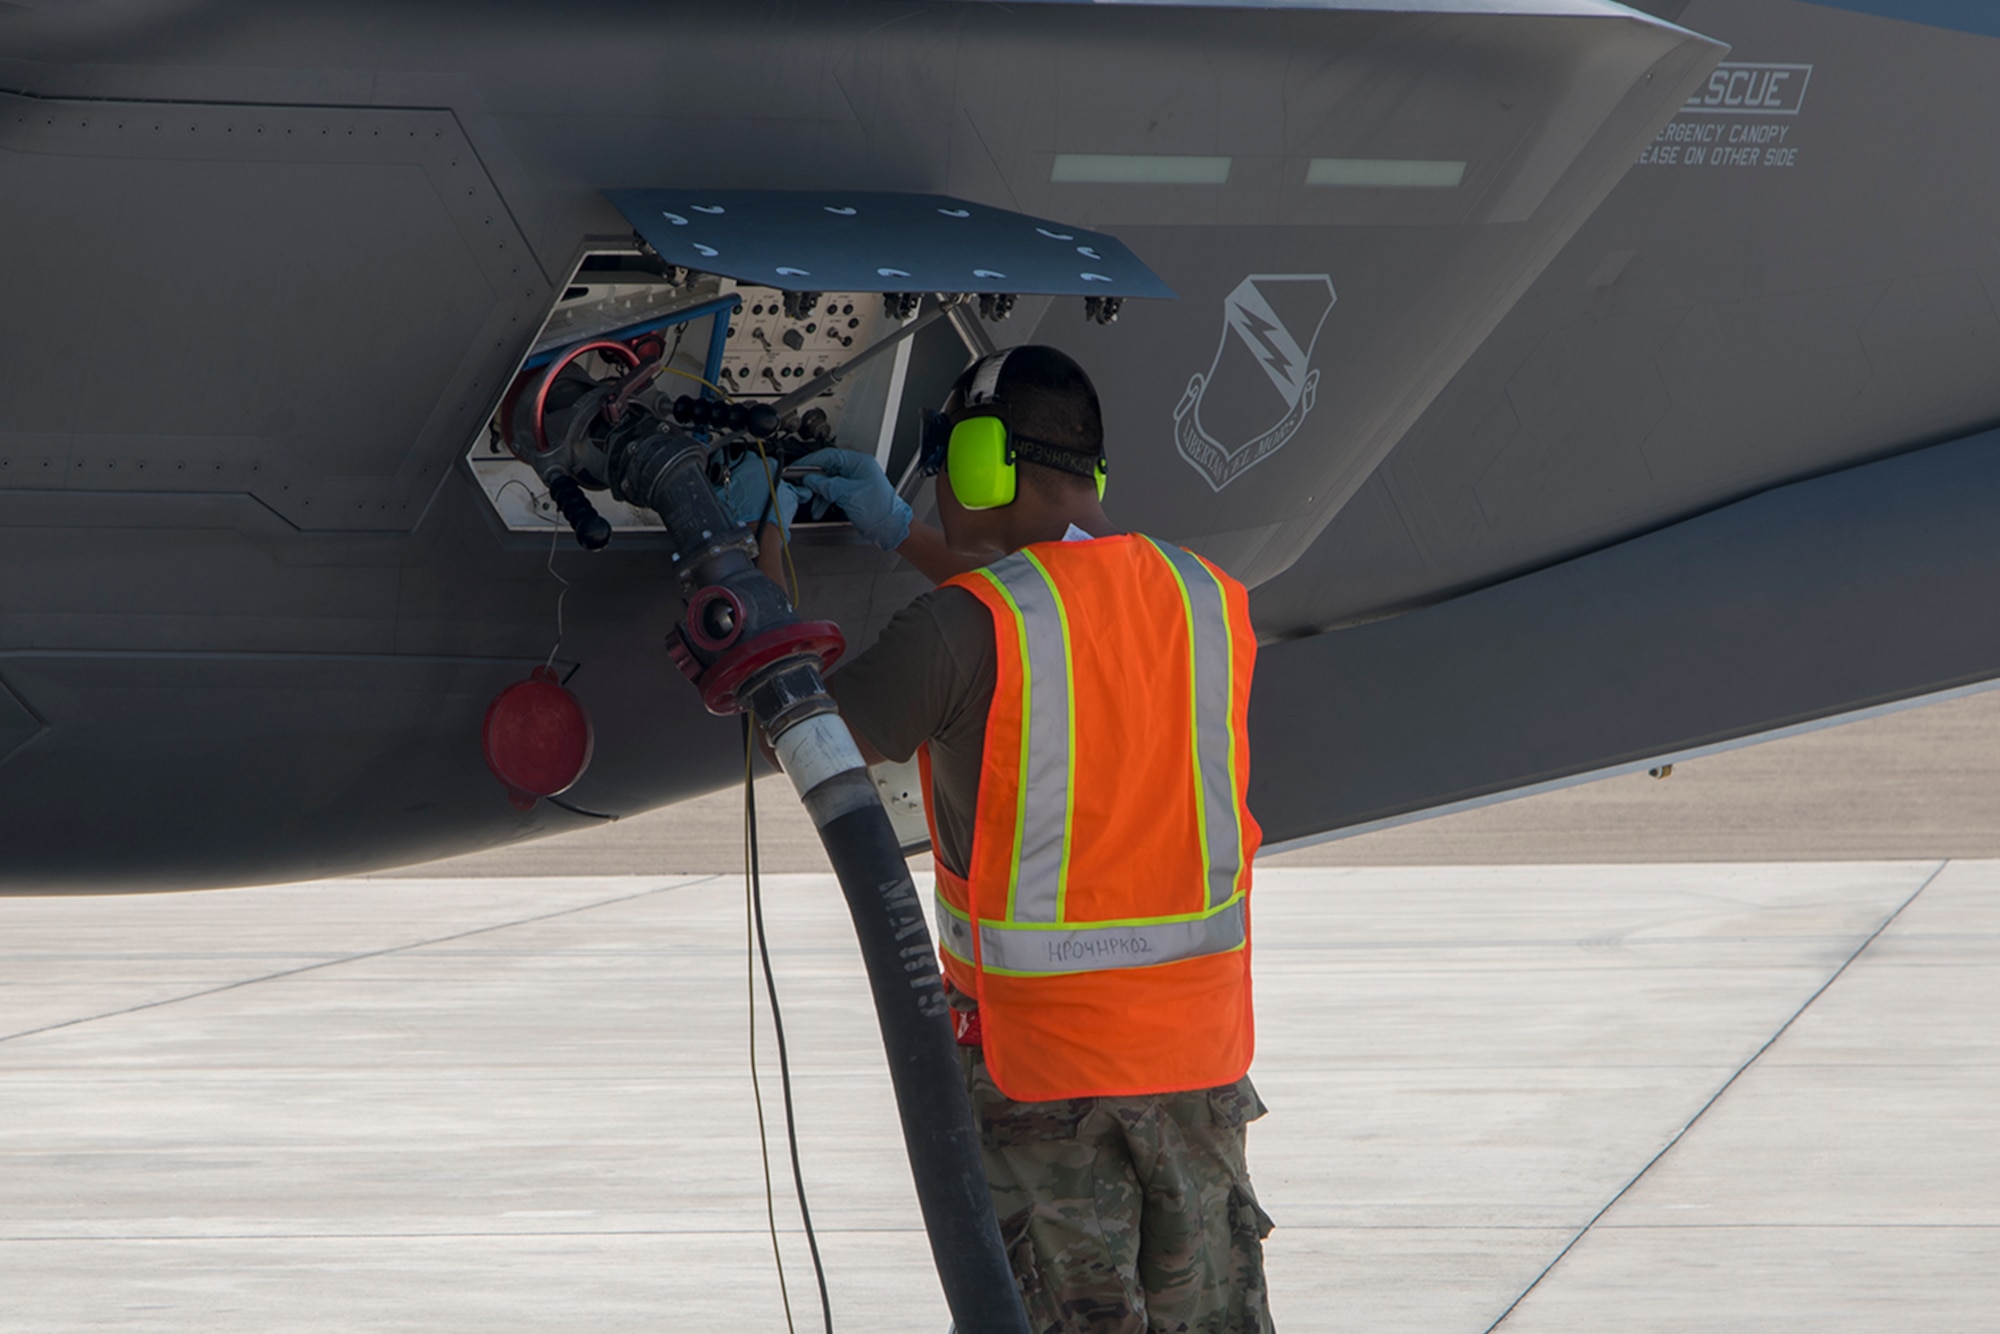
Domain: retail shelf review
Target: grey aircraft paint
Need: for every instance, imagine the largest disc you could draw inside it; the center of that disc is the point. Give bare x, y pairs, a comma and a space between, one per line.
270, 267
1815, 289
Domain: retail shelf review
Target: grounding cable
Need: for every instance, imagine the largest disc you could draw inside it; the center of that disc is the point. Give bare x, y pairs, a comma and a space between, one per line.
761, 945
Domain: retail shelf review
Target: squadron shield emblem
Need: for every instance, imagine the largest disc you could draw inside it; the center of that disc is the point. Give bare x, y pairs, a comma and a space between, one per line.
1262, 321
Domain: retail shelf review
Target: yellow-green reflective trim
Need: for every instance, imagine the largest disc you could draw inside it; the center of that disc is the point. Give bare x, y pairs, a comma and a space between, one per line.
1132, 942
1069, 713
1194, 708
1045, 949
955, 932
1040, 857
1212, 645
1027, 711
1043, 810
1237, 948
1165, 919
1229, 670
958, 913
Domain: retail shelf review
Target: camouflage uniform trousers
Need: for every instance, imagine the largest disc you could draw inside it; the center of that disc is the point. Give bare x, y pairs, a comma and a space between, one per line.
1127, 1215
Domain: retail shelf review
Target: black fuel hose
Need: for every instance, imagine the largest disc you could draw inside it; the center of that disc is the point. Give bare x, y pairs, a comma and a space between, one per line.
924, 1066
667, 473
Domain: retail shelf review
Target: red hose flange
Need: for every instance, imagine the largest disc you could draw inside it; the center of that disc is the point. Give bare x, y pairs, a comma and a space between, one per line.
722, 679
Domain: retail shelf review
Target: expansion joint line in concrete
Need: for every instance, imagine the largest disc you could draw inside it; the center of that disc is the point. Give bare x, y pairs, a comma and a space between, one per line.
1716, 1096
357, 958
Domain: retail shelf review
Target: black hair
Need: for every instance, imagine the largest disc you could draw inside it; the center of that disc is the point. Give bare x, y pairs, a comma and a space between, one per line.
1047, 398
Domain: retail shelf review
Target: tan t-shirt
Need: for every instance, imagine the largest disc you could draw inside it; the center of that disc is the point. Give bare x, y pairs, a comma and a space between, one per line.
929, 678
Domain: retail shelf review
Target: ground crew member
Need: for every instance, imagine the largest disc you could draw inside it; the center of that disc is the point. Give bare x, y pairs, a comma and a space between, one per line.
1077, 697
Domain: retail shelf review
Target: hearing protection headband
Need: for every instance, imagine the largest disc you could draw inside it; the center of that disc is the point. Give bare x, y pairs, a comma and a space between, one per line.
979, 451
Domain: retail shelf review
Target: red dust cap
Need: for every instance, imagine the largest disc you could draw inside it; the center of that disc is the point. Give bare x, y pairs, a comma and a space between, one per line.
537, 738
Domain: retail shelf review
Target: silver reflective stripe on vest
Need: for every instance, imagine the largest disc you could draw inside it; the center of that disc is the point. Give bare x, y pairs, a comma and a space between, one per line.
1214, 694
1091, 949
954, 932
1041, 833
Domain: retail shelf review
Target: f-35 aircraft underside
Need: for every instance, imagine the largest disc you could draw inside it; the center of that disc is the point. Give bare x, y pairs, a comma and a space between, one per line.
1575, 386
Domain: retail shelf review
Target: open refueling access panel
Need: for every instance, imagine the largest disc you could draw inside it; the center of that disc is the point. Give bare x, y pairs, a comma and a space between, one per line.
750, 295
722, 338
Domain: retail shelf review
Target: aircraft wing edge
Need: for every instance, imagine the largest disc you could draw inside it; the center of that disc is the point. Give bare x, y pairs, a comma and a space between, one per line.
1808, 604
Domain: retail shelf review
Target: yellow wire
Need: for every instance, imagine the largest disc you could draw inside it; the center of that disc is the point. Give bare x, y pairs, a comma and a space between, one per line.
690, 375
756, 1089
784, 537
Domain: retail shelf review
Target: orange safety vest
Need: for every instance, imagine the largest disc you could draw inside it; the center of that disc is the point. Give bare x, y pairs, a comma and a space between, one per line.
1105, 925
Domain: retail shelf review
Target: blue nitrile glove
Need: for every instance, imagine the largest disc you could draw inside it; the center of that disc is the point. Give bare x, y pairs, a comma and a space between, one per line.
746, 497
855, 482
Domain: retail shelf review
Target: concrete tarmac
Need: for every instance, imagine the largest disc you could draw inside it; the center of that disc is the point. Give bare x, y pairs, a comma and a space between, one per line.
1576, 1098
1716, 1053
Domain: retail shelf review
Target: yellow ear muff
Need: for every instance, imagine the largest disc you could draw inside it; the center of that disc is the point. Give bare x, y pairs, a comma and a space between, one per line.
980, 462
1102, 474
